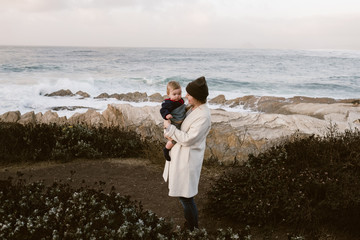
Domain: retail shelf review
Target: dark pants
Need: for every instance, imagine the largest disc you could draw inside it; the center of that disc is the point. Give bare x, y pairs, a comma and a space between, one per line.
190, 212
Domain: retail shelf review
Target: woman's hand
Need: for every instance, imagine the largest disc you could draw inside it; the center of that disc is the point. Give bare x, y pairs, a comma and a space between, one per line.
167, 123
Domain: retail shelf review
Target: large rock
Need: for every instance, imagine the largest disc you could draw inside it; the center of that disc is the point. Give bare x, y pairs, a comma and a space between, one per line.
235, 135
52, 117
12, 116
90, 118
61, 93
156, 97
245, 100
131, 97
28, 118
146, 121
271, 104
336, 112
220, 99
302, 99
83, 94
103, 95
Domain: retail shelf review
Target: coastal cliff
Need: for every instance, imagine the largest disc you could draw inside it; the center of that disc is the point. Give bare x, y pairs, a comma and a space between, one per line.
233, 135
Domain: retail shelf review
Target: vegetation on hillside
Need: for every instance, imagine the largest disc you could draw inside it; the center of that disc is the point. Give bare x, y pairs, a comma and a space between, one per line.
44, 142
308, 183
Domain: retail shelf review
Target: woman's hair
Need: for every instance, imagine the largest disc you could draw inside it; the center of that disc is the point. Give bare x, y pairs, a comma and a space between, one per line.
172, 85
202, 100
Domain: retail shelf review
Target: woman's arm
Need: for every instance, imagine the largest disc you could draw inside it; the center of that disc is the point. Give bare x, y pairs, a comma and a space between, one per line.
197, 130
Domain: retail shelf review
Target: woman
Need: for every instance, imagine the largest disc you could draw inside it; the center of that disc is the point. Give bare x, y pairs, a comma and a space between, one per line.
183, 171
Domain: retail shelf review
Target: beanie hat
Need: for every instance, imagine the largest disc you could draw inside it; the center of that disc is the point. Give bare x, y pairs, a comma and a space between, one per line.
198, 89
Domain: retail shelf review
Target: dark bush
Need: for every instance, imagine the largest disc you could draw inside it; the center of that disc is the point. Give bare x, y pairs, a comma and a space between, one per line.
65, 142
31, 142
36, 211
59, 212
308, 182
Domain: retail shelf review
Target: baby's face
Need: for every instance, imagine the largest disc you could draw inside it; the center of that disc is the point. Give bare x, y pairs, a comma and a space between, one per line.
175, 94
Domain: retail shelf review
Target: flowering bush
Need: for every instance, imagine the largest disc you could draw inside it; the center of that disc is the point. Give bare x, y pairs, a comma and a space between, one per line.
36, 211
309, 182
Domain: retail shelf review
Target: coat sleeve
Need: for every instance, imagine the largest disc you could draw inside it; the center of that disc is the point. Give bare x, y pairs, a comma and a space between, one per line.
165, 109
198, 129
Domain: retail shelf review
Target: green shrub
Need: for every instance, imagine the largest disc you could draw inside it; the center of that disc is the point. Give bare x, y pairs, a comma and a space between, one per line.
307, 182
31, 142
65, 142
36, 211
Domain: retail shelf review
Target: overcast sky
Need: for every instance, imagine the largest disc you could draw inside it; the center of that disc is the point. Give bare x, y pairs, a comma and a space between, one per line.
292, 24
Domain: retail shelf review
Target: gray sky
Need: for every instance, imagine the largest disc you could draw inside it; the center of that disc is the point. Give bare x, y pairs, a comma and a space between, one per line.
293, 24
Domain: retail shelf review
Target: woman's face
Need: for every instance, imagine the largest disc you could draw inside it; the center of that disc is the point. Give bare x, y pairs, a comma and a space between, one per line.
191, 100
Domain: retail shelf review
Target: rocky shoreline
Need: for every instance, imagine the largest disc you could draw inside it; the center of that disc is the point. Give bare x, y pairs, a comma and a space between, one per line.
265, 104
233, 136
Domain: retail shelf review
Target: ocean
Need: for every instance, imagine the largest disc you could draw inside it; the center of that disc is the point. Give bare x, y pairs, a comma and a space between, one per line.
28, 73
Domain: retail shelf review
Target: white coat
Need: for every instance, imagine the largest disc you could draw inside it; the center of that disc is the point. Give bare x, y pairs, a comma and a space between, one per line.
183, 171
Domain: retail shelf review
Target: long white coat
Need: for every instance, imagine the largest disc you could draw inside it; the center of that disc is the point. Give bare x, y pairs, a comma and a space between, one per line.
183, 171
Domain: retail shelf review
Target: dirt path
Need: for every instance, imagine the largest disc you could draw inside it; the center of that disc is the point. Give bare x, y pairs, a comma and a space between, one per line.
137, 178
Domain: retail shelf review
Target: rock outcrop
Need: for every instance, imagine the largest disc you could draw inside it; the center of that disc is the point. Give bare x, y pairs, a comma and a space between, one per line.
233, 135
220, 99
13, 116
83, 94
60, 93
156, 97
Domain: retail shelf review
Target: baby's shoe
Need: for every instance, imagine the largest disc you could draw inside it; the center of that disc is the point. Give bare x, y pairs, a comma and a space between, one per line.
167, 154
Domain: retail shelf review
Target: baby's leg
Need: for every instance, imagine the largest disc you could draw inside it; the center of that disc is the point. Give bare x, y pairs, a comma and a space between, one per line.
166, 150
169, 145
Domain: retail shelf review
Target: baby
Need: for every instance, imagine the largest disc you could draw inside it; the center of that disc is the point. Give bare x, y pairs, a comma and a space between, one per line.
173, 109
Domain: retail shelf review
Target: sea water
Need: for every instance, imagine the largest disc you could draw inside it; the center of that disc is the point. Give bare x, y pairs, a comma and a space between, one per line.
28, 73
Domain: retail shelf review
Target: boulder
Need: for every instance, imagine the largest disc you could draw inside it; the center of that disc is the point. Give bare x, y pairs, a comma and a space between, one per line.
83, 94
38, 117
129, 97
28, 118
103, 95
220, 100
117, 96
90, 118
268, 104
52, 117
156, 97
133, 97
302, 99
61, 93
245, 100
321, 110
146, 121
12, 116
235, 135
